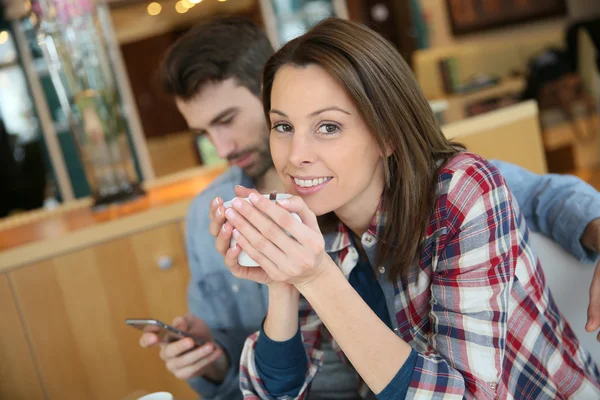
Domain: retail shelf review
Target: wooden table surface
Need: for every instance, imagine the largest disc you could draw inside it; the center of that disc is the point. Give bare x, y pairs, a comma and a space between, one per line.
57, 224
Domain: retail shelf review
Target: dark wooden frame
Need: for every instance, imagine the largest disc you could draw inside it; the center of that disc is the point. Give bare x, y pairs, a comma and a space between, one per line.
560, 9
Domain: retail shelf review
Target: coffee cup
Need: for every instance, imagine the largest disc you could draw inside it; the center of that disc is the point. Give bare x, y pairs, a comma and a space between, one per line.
244, 259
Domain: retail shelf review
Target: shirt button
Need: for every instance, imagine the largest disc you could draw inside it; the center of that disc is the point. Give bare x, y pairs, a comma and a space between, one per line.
235, 288
381, 269
493, 386
369, 239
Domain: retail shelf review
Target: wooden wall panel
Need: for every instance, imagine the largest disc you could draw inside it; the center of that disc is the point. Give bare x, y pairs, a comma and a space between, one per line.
74, 307
18, 377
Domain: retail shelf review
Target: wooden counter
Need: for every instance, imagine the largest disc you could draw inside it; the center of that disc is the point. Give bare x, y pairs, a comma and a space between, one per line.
59, 232
69, 278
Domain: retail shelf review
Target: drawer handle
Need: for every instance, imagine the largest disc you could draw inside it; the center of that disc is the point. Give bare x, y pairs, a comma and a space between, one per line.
165, 262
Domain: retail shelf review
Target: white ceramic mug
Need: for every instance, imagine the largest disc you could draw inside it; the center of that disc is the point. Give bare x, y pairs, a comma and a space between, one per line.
244, 259
157, 396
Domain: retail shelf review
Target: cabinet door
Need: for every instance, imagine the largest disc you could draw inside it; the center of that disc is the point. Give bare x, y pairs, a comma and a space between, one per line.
75, 306
18, 378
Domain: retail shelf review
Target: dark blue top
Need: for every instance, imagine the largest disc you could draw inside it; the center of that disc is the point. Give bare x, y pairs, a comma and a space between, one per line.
282, 366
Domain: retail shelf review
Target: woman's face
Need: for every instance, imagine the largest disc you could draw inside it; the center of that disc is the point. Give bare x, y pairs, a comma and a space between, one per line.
321, 147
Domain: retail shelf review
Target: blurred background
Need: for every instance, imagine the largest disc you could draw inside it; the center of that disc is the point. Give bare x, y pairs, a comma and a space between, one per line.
470, 56
97, 168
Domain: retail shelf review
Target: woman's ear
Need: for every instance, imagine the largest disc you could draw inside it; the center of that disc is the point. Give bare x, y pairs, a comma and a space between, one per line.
388, 151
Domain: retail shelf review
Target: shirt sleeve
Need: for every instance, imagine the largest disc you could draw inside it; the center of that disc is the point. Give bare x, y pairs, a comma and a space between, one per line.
558, 206
251, 383
470, 288
282, 366
398, 386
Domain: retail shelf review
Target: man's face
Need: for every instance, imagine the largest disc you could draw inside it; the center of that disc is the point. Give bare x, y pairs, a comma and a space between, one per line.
232, 118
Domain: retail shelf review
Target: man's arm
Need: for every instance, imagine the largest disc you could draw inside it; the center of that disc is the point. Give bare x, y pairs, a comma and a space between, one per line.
204, 301
566, 209
562, 207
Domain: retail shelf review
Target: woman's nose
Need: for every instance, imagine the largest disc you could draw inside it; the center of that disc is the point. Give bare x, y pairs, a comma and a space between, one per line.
303, 151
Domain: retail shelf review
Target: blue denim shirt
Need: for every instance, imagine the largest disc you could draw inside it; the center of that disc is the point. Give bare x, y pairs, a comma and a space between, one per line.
558, 206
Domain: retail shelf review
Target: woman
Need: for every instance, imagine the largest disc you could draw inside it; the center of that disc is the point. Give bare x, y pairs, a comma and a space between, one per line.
420, 272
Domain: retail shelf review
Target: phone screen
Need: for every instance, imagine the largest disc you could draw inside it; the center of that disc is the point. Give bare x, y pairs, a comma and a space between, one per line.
166, 333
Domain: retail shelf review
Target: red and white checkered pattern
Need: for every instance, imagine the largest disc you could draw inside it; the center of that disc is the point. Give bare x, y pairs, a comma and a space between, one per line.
476, 309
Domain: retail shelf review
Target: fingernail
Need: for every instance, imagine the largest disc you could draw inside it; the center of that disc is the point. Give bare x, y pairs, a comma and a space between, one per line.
235, 247
237, 203
254, 198
224, 229
216, 201
219, 213
230, 214
236, 233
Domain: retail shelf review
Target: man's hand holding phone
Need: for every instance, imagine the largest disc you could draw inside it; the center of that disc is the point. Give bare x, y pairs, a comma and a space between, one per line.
185, 361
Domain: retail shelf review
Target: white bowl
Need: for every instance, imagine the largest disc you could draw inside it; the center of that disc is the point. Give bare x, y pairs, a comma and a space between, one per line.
244, 259
157, 396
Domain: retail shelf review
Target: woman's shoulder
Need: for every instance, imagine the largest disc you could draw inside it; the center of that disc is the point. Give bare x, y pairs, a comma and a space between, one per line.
467, 183
470, 174
465, 161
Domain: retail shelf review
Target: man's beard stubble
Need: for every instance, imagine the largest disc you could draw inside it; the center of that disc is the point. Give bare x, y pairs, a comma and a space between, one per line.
263, 162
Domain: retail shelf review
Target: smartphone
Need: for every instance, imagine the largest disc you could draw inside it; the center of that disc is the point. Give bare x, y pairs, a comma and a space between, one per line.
166, 333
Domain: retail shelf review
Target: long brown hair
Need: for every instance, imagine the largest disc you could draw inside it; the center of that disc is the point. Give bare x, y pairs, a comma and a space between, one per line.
383, 88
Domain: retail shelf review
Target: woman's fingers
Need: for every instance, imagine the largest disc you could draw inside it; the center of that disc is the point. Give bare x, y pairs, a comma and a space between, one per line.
231, 255
243, 192
223, 241
296, 205
217, 220
256, 274
217, 201
265, 228
303, 232
263, 248
269, 264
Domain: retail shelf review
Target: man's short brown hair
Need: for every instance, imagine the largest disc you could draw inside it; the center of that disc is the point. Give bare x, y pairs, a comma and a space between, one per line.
215, 51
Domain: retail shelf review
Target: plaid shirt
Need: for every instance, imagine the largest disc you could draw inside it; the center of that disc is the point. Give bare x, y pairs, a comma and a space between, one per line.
476, 308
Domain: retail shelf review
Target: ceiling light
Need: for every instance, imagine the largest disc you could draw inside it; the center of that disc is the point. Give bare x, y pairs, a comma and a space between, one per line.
3, 37
180, 7
222, 1
154, 8
187, 3
195, 1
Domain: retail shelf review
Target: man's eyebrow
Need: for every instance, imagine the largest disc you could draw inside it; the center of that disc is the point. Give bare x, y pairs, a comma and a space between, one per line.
223, 114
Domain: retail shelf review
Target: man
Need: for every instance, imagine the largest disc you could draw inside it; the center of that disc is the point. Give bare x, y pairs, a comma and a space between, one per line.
214, 73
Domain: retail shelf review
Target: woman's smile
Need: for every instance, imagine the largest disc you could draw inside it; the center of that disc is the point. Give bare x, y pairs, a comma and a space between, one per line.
307, 185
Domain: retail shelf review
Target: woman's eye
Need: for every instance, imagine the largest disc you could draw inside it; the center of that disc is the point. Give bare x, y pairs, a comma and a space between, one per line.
328, 129
283, 128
